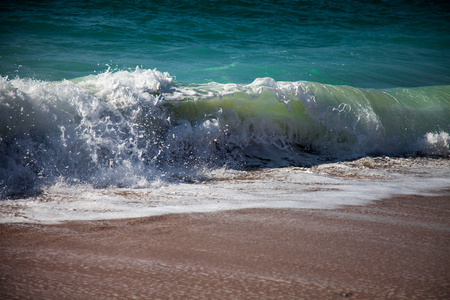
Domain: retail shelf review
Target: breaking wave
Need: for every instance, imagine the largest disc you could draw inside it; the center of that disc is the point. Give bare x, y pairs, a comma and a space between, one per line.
129, 128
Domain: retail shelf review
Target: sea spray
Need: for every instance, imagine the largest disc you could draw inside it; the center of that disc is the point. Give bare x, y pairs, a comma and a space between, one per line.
132, 128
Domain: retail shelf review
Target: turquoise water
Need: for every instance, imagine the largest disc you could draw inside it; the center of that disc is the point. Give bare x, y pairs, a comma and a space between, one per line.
376, 44
108, 94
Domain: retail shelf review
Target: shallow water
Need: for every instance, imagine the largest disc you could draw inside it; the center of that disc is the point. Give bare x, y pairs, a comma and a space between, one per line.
324, 186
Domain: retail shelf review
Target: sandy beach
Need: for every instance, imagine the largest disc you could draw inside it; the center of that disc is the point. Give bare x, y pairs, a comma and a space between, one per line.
396, 248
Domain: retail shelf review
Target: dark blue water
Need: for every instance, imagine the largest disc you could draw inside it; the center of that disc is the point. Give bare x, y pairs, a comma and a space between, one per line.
376, 44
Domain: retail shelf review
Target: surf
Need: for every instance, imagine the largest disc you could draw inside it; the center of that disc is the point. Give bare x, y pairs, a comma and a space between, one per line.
130, 128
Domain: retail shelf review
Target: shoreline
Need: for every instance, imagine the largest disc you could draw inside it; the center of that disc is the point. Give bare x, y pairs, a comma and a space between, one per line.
395, 248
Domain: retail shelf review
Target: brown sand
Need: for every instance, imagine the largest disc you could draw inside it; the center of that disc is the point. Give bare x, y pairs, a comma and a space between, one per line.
391, 249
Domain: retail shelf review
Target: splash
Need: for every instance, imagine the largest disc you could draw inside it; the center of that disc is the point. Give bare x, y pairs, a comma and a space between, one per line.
131, 128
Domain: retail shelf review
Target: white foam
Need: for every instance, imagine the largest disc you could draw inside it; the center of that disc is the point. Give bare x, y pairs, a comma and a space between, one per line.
322, 187
436, 144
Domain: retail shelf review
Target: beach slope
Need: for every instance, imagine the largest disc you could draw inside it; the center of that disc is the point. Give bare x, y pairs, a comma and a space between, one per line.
390, 249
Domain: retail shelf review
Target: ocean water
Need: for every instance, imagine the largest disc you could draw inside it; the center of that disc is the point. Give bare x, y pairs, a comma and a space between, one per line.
112, 109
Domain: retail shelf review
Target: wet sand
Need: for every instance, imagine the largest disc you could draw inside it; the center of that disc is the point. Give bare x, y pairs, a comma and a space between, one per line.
396, 248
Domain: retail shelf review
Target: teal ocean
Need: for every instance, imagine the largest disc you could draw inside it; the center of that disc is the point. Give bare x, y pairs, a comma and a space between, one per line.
374, 44
120, 94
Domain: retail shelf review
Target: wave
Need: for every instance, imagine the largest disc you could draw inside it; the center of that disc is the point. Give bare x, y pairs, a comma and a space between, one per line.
129, 128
